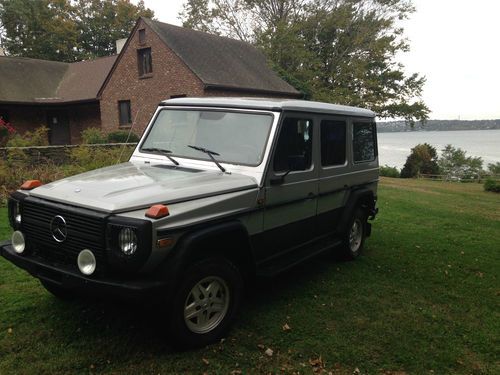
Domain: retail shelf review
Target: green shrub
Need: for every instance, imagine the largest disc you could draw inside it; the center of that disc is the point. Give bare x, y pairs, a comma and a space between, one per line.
93, 136
37, 137
454, 164
492, 185
422, 160
121, 136
19, 167
387, 171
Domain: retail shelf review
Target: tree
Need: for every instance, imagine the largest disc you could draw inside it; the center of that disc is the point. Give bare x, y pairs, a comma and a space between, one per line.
39, 29
455, 164
494, 168
422, 160
339, 51
102, 22
66, 30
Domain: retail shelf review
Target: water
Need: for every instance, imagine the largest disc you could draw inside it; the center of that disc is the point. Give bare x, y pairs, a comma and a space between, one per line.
394, 148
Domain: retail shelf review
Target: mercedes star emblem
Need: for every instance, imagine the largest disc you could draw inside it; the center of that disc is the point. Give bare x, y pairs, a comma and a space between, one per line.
58, 228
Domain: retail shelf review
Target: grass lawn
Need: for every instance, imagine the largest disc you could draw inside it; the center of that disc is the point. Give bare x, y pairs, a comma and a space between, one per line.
424, 299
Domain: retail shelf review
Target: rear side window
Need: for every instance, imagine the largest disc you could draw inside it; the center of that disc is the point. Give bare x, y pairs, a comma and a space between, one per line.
294, 150
363, 141
333, 142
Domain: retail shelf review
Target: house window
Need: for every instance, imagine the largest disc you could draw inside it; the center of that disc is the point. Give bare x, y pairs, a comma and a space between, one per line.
333, 142
124, 112
364, 145
144, 61
142, 36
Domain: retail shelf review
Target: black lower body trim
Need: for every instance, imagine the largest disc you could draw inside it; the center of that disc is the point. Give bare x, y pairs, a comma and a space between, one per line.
72, 280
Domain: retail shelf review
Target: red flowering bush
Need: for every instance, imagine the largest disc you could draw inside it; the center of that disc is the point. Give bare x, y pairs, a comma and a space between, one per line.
6, 130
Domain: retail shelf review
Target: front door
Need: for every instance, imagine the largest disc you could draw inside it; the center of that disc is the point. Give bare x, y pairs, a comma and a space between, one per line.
291, 189
58, 123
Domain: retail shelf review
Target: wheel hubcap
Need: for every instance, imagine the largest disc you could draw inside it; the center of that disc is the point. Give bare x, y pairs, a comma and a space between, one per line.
355, 235
206, 304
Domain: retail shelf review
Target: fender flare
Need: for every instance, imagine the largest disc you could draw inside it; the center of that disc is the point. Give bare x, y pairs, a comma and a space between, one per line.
186, 249
355, 197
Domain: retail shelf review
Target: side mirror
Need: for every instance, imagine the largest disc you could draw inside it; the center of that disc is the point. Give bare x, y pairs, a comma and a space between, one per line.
295, 163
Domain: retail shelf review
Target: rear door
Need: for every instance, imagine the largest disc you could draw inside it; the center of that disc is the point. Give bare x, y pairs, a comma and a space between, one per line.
333, 171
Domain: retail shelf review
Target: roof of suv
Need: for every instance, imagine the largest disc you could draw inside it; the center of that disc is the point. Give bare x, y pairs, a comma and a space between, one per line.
271, 104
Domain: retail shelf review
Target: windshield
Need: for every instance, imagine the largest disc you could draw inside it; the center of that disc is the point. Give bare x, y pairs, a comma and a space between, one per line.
238, 138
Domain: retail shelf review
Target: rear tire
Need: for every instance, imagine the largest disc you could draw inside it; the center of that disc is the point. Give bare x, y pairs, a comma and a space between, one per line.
354, 238
205, 303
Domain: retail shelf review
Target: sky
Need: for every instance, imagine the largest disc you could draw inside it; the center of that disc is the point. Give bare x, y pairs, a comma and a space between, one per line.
455, 44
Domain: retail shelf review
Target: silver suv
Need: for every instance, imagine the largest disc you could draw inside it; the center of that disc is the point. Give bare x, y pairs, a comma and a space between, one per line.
218, 191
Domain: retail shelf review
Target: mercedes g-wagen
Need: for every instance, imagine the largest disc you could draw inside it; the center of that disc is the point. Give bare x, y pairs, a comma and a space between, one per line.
217, 192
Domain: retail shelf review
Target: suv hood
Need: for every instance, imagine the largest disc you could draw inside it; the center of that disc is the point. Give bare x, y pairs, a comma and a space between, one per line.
130, 186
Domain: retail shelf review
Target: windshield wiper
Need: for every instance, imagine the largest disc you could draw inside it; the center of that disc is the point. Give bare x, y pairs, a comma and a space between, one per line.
161, 151
211, 154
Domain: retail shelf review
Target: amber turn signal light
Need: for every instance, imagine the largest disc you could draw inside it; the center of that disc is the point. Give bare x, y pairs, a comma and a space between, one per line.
165, 242
157, 211
30, 184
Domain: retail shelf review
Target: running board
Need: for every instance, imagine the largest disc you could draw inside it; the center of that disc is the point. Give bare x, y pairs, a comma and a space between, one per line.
295, 257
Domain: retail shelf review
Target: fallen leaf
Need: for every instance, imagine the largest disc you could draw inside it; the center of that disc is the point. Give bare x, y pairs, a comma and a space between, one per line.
236, 372
317, 364
205, 361
9, 330
286, 327
269, 352
260, 346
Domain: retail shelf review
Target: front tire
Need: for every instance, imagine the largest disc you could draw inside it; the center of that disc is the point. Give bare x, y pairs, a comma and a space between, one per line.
205, 303
354, 238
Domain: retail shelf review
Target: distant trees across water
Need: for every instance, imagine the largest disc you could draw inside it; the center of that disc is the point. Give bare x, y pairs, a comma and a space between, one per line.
438, 125
452, 165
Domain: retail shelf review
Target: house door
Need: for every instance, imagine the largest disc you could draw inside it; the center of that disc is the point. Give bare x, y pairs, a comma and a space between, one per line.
58, 124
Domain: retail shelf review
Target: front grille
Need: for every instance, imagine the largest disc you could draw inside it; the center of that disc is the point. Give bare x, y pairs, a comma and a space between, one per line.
85, 230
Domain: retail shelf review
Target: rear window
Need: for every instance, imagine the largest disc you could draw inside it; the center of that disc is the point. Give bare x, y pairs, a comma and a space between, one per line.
363, 142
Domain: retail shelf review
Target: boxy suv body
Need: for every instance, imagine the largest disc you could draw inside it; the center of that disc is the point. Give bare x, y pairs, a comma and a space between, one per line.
217, 192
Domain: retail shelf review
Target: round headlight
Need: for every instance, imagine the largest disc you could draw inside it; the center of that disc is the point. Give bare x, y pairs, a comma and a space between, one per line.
127, 240
86, 262
18, 242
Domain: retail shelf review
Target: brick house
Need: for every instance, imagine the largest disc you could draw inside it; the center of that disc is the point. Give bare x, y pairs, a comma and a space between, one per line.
157, 61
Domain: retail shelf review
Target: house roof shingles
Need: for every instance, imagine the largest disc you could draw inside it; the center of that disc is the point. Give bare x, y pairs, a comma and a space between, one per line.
33, 81
25, 80
84, 79
219, 62
222, 62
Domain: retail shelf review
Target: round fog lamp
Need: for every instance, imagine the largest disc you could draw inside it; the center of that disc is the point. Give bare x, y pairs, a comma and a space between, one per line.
18, 242
127, 240
86, 262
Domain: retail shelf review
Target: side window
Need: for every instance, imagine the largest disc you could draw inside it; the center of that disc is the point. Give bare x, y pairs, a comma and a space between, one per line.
363, 141
294, 150
333, 142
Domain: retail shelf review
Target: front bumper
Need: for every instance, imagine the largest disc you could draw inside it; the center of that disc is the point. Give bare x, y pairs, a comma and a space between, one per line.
67, 278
